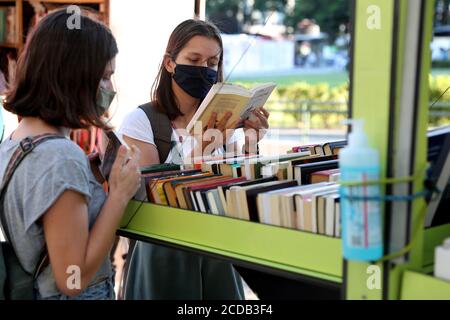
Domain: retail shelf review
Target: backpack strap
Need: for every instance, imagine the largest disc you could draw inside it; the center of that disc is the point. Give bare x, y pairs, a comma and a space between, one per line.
162, 130
25, 147
162, 134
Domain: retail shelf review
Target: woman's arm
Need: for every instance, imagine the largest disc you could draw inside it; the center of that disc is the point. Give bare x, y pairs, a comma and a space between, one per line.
70, 244
255, 130
149, 152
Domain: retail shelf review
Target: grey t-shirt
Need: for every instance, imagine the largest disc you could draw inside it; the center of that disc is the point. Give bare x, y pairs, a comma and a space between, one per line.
50, 169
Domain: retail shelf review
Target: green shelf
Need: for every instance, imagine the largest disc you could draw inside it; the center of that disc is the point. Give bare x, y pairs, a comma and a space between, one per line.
418, 286
278, 248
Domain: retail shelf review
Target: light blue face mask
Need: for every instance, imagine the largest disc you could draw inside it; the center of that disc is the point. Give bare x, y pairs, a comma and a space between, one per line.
104, 99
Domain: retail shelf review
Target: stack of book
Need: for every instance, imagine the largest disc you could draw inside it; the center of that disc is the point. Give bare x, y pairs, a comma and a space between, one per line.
298, 190
276, 190
328, 148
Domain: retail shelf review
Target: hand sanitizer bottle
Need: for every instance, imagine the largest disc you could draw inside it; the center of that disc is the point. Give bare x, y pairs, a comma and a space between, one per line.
361, 219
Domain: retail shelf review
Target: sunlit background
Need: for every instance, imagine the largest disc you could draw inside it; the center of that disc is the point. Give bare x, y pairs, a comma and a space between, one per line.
302, 45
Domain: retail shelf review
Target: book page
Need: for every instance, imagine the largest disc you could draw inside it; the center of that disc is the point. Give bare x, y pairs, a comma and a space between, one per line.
260, 96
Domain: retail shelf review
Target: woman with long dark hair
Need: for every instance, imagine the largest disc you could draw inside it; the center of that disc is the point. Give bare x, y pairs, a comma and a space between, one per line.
53, 203
193, 62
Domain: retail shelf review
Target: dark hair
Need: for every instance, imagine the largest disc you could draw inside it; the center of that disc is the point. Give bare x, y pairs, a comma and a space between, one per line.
60, 69
163, 97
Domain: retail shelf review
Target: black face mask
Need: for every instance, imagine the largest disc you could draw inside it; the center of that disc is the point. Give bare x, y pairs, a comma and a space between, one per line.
195, 81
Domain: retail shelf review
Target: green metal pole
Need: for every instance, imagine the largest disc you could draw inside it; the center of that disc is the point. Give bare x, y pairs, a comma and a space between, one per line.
382, 84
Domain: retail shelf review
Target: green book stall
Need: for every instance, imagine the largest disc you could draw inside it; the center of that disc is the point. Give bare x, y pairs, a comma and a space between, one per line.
390, 66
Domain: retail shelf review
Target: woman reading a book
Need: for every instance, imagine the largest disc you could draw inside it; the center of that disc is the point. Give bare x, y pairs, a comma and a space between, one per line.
53, 205
192, 64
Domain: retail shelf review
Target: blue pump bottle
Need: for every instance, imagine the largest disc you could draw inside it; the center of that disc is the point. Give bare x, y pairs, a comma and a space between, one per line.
360, 219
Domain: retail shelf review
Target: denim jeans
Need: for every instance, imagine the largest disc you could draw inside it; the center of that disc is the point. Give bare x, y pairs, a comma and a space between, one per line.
103, 290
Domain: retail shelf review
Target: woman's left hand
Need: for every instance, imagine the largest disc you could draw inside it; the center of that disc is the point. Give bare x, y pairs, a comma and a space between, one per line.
260, 122
259, 125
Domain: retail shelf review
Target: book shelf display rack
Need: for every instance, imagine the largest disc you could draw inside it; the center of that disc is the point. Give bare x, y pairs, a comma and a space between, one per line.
389, 78
418, 286
24, 7
247, 242
24, 14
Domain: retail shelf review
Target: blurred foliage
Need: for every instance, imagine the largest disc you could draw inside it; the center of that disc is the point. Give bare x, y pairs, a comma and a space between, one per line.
439, 93
324, 107
329, 15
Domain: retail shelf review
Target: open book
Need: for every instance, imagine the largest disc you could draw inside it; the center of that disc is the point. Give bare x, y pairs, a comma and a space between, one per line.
224, 97
113, 141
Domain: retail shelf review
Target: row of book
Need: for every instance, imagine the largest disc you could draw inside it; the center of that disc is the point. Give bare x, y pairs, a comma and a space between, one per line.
328, 148
301, 166
297, 190
8, 25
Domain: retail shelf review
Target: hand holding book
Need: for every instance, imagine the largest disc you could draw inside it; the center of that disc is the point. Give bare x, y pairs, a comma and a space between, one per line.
215, 134
259, 122
113, 142
125, 176
258, 119
223, 98
229, 106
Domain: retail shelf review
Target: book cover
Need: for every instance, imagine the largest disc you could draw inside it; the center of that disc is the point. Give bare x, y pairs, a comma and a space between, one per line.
3, 25
191, 188
214, 203
169, 192
330, 214
288, 208
224, 97
183, 194
160, 168
223, 190
333, 147
337, 218
294, 174
246, 197
201, 189
253, 194
306, 206
331, 175
319, 205
11, 36
307, 169
113, 142
149, 177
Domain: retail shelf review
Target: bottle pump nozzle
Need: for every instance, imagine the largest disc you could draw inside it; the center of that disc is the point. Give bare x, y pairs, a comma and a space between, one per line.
357, 138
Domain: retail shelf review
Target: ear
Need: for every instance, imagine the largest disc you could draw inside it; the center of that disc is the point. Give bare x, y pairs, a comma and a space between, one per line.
169, 64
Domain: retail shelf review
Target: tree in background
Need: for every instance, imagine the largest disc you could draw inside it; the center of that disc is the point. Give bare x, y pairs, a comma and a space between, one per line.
226, 14
442, 12
272, 5
329, 15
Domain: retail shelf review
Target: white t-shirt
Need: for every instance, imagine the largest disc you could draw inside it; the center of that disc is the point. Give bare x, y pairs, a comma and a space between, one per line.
137, 126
